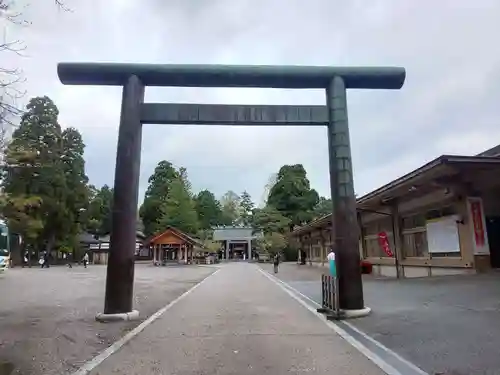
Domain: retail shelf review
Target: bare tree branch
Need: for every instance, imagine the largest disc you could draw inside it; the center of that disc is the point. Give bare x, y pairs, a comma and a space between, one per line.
11, 78
61, 4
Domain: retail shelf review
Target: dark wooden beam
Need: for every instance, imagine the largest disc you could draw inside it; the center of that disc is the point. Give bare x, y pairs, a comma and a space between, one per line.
219, 114
185, 75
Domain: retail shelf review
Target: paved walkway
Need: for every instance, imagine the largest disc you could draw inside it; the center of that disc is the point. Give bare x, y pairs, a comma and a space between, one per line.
444, 324
237, 322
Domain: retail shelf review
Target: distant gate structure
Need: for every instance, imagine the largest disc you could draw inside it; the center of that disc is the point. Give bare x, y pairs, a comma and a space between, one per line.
134, 112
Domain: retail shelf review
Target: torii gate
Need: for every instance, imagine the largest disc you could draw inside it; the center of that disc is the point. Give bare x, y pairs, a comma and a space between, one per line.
134, 112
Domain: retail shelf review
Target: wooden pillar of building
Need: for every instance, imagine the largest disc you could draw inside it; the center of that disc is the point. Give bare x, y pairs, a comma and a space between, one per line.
299, 250
361, 234
397, 236
310, 248
323, 248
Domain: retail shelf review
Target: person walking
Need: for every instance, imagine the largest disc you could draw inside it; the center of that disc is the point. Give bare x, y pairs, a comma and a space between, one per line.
44, 260
69, 259
276, 262
25, 259
85, 260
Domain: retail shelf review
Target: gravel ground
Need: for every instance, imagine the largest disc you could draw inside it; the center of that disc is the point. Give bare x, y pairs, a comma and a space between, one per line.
444, 325
47, 321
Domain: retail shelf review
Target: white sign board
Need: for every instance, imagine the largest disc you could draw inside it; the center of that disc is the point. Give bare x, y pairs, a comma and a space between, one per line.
442, 235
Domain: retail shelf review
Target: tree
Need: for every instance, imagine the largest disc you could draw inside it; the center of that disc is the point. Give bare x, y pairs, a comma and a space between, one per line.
208, 208
156, 195
323, 208
230, 208
35, 166
35, 172
23, 216
178, 210
271, 243
270, 220
183, 175
276, 242
246, 209
292, 194
271, 181
76, 180
97, 217
211, 246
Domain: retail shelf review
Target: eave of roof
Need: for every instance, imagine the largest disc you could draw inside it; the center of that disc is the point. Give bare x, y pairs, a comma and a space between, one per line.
442, 160
178, 233
492, 152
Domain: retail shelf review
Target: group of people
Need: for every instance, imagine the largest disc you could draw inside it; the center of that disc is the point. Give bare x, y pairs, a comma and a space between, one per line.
330, 257
45, 257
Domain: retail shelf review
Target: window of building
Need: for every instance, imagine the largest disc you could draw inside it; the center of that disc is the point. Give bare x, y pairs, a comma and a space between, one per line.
415, 234
414, 221
446, 255
415, 244
317, 251
375, 227
372, 248
371, 230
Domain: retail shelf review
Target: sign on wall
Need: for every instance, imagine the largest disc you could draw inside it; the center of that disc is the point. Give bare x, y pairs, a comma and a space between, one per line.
442, 235
478, 226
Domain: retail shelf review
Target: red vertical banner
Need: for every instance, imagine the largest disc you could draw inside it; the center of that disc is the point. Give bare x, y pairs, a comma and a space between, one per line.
477, 222
383, 240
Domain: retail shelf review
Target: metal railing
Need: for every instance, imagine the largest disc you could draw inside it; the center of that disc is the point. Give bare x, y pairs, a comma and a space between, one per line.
329, 297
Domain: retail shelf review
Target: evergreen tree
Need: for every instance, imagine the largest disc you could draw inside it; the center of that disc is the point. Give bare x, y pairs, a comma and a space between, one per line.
230, 208
178, 209
77, 198
292, 194
151, 211
98, 215
35, 173
208, 209
246, 209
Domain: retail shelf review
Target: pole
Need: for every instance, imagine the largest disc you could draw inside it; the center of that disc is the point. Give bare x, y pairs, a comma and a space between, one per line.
344, 221
120, 271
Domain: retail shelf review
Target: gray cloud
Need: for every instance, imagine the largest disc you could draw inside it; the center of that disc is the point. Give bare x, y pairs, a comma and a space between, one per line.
446, 106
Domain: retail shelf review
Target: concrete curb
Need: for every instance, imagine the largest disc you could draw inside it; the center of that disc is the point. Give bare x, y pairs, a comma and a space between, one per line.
104, 318
351, 314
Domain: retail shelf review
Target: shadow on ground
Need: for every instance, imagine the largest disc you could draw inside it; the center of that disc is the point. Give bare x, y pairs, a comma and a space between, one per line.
47, 321
445, 325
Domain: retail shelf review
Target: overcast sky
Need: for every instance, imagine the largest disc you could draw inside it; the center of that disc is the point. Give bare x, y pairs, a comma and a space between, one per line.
448, 104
